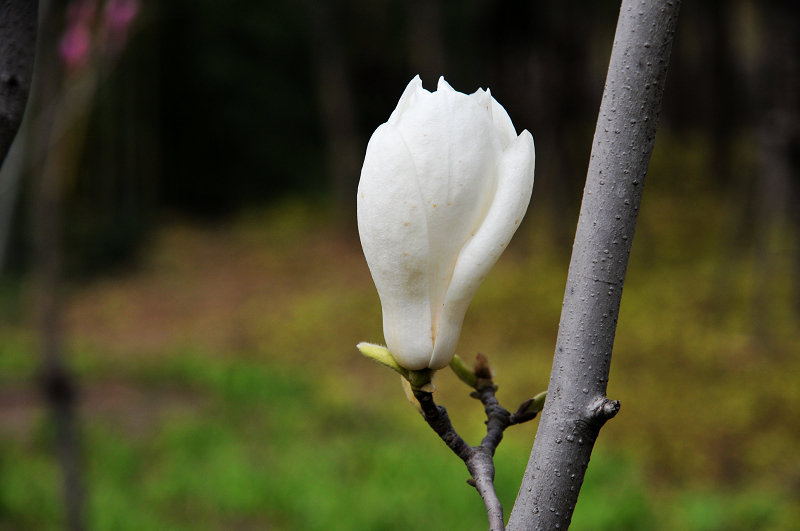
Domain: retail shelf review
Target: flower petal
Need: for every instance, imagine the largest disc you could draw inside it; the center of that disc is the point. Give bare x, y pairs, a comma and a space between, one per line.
410, 94
444, 86
456, 154
502, 123
394, 235
514, 187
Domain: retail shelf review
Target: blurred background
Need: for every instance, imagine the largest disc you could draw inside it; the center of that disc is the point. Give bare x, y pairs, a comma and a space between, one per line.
182, 286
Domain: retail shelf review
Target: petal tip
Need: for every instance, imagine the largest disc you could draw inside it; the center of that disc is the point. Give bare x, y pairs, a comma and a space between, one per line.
526, 135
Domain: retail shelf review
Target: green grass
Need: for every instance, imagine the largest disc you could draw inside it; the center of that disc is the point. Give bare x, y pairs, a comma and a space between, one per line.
260, 446
255, 445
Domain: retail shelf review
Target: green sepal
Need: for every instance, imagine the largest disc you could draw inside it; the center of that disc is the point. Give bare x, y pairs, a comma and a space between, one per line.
419, 380
382, 355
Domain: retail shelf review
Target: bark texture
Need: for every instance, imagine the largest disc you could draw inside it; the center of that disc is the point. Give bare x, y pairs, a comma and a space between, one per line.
577, 406
18, 23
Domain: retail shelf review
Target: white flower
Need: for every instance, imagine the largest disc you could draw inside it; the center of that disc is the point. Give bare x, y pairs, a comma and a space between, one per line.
445, 183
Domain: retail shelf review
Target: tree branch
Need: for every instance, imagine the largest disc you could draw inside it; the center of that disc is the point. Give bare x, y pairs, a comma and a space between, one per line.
18, 24
576, 405
479, 459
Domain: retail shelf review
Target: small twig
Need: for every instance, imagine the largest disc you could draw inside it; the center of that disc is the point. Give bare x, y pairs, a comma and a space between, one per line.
438, 419
479, 459
498, 418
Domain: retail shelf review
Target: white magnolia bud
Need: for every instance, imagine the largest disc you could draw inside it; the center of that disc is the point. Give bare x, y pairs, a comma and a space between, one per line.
445, 183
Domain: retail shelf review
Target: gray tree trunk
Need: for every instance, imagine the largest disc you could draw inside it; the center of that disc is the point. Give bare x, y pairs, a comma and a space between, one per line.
577, 406
777, 186
18, 23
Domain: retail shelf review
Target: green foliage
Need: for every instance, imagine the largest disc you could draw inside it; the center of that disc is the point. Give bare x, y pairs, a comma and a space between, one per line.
257, 445
614, 496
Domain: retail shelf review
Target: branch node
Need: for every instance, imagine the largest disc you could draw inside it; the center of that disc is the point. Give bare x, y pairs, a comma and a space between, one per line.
603, 409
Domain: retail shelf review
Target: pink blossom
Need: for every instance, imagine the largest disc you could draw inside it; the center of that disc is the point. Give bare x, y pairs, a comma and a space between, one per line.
119, 14
76, 42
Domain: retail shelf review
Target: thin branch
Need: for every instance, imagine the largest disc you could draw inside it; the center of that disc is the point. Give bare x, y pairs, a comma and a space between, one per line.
577, 406
438, 419
479, 459
482, 464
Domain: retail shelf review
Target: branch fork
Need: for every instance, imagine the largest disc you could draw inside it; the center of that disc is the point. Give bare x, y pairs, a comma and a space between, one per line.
478, 459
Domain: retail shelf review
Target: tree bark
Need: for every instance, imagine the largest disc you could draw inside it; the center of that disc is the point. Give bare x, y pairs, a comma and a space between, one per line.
577, 406
18, 23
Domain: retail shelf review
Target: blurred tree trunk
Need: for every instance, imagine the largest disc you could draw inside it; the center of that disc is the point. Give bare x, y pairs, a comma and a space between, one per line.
725, 104
568, 62
57, 383
426, 42
724, 89
18, 29
334, 93
11, 172
577, 406
51, 154
778, 137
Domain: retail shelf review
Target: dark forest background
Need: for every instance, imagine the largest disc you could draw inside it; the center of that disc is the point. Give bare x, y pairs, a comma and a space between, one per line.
218, 107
